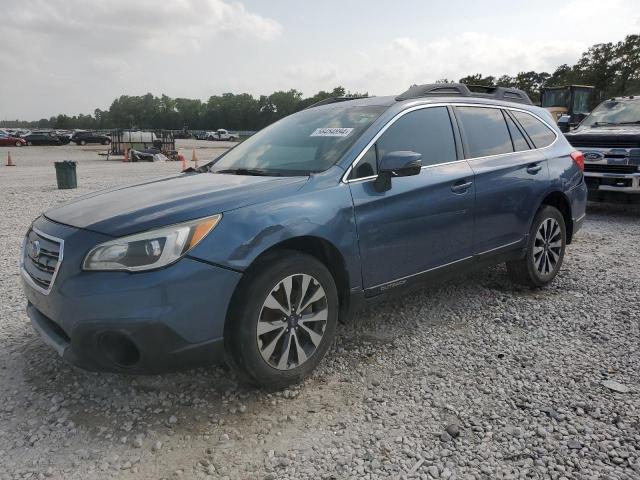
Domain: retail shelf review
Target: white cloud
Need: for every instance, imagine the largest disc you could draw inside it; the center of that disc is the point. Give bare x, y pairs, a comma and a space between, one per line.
606, 19
149, 23
405, 61
320, 72
75, 55
72, 56
405, 45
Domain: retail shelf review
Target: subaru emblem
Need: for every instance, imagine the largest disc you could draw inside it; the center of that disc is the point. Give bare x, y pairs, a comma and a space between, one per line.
34, 249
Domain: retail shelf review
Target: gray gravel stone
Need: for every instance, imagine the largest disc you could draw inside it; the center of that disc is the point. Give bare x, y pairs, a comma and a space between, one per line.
522, 374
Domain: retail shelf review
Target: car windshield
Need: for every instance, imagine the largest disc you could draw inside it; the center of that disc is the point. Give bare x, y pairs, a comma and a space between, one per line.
555, 98
581, 101
306, 142
614, 112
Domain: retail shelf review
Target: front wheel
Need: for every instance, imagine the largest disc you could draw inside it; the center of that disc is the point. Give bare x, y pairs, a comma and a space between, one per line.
282, 320
545, 250
29, 144
83, 142
18, 144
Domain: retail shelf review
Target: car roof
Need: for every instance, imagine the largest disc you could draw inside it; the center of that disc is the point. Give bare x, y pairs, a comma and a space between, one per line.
439, 92
392, 103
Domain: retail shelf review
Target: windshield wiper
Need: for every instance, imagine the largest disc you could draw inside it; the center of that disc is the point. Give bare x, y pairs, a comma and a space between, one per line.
249, 171
598, 124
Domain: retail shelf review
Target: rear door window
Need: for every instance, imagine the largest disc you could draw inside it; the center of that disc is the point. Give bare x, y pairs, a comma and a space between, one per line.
485, 131
541, 135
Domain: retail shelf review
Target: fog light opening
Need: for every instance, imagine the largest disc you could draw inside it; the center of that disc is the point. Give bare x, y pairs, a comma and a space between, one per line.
119, 349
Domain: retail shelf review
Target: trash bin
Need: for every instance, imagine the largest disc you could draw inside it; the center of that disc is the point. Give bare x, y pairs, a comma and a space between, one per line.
66, 174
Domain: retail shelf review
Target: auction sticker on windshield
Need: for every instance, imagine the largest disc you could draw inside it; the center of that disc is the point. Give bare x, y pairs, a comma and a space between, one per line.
331, 132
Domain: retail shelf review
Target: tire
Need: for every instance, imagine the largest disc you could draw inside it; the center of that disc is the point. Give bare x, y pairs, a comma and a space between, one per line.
545, 250
18, 144
261, 358
106, 142
82, 142
29, 144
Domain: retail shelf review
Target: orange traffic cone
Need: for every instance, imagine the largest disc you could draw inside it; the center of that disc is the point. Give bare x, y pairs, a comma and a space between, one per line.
126, 155
9, 160
194, 158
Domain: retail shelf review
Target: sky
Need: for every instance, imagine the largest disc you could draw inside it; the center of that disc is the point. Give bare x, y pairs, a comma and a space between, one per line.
72, 56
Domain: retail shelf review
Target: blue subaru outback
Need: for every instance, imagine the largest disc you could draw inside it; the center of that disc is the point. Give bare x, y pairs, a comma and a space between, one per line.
256, 256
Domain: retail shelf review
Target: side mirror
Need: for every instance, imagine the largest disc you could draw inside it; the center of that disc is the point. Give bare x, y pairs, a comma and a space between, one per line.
399, 164
564, 123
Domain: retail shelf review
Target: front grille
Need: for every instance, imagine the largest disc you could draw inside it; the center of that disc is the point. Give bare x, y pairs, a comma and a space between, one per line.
604, 168
41, 259
602, 143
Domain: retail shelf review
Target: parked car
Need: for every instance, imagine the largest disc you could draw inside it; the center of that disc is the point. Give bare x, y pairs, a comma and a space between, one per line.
201, 135
222, 134
609, 137
255, 256
82, 138
44, 138
10, 141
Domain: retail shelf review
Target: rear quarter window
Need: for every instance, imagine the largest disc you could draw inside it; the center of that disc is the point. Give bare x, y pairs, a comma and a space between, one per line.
541, 135
519, 142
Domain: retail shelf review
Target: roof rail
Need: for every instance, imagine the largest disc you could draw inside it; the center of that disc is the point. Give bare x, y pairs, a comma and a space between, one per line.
330, 100
460, 89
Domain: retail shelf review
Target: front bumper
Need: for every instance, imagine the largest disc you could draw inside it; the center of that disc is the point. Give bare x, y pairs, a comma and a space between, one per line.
613, 182
148, 322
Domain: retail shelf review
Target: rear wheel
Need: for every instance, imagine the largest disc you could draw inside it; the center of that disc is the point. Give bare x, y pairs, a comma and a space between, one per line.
545, 250
83, 142
282, 320
29, 143
106, 142
18, 144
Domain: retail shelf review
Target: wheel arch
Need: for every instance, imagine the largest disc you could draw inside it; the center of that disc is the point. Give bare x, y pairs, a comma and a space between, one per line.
322, 250
560, 201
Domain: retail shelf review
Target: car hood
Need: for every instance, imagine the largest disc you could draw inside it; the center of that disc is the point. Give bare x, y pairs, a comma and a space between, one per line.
168, 200
629, 135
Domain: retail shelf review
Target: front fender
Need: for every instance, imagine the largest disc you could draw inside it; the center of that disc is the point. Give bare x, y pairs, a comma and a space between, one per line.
243, 234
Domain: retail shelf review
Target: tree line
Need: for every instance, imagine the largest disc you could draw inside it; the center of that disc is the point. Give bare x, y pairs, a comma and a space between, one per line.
612, 68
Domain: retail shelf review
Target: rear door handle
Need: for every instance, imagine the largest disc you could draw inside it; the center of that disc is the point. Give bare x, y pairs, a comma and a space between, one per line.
534, 168
461, 186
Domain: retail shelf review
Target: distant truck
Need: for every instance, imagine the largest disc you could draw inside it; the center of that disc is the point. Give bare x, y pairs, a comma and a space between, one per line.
222, 134
571, 100
609, 138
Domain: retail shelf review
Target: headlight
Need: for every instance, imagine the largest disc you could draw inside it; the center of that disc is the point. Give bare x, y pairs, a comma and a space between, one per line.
149, 250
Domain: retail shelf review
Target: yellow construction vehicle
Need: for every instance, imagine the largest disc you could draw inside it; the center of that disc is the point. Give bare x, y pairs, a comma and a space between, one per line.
572, 100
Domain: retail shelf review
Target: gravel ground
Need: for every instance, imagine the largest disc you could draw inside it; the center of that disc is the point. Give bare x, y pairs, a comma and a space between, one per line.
471, 379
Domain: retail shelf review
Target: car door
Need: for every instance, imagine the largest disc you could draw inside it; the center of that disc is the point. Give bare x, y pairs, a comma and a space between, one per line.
509, 175
424, 221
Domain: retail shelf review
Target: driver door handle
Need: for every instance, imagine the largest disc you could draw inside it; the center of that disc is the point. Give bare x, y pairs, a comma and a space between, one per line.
461, 186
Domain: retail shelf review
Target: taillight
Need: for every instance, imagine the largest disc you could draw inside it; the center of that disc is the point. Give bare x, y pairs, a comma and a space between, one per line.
578, 157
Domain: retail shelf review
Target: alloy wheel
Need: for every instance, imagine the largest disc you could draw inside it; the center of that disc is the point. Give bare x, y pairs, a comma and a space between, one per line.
547, 246
292, 321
